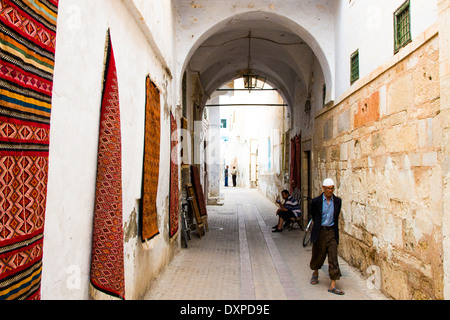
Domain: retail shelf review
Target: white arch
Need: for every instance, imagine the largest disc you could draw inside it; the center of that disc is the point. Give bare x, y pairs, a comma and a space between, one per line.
320, 40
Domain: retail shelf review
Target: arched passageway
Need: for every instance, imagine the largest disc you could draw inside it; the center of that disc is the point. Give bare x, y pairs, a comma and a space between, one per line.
282, 53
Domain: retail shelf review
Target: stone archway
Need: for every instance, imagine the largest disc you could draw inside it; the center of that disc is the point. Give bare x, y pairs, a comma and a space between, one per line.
281, 50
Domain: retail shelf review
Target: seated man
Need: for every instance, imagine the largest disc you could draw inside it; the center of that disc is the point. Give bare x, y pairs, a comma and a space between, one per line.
290, 209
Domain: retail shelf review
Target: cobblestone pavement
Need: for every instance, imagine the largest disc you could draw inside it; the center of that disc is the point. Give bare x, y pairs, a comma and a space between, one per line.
240, 258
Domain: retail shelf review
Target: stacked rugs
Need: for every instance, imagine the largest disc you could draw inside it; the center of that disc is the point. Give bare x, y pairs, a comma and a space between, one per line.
149, 213
199, 195
174, 188
107, 262
27, 55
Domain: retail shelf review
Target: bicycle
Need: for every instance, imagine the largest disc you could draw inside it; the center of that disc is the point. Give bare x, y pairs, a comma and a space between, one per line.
307, 236
185, 224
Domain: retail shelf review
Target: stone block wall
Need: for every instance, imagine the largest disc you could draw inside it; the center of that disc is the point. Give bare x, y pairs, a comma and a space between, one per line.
381, 144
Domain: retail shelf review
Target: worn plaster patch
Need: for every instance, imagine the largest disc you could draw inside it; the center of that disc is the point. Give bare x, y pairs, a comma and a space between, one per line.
131, 227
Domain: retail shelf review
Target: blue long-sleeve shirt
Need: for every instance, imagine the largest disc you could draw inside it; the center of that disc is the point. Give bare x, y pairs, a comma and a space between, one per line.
327, 212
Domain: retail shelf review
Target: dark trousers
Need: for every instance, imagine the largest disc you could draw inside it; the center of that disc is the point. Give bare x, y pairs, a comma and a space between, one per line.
234, 180
326, 244
286, 215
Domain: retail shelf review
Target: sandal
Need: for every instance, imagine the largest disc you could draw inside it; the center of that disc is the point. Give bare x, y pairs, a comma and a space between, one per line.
314, 279
336, 291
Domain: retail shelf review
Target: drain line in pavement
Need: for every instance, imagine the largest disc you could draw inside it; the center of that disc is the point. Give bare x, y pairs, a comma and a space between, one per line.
286, 278
247, 285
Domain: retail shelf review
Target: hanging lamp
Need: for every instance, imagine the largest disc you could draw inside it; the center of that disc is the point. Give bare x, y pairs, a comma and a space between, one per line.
251, 80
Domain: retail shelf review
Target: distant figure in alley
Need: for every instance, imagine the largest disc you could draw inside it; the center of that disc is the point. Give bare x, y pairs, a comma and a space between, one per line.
234, 175
226, 176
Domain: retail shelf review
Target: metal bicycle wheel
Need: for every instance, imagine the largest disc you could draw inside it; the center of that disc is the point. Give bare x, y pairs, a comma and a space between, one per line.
307, 236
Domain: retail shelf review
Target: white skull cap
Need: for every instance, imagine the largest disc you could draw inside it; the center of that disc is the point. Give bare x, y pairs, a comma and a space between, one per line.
328, 182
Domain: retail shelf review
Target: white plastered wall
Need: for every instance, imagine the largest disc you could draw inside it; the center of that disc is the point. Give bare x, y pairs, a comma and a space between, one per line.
81, 38
368, 26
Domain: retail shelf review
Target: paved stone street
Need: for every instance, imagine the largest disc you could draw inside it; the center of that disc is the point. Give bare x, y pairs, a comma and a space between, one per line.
241, 259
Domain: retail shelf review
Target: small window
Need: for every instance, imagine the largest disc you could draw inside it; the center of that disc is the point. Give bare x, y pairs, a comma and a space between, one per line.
354, 67
402, 26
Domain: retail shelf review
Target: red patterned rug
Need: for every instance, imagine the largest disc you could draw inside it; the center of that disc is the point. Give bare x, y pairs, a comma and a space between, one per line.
149, 213
27, 51
174, 187
295, 169
107, 264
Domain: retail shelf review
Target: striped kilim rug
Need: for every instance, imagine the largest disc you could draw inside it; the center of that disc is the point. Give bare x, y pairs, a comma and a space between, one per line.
27, 53
174, 187
107, 263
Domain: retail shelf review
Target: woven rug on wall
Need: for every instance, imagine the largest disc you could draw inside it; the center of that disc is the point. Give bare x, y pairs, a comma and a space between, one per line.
149, 213
292, 164
174, 187
27, 55
296, 158
107, 261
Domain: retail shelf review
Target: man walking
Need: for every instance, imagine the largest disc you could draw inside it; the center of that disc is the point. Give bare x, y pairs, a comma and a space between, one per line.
325, 210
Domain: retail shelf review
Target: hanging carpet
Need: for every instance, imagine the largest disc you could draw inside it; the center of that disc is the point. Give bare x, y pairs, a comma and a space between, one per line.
296, 158
27, 55
107, 264
174, 187
149, 213
292, 163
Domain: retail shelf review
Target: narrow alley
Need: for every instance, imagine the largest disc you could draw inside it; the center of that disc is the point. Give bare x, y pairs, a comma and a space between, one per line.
114, 112
241, 259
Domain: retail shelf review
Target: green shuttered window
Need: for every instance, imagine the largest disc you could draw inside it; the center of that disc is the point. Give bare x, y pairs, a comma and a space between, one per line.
354, 66
402, 26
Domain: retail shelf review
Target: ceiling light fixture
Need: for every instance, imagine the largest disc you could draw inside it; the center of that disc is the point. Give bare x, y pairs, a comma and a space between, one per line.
251, 80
